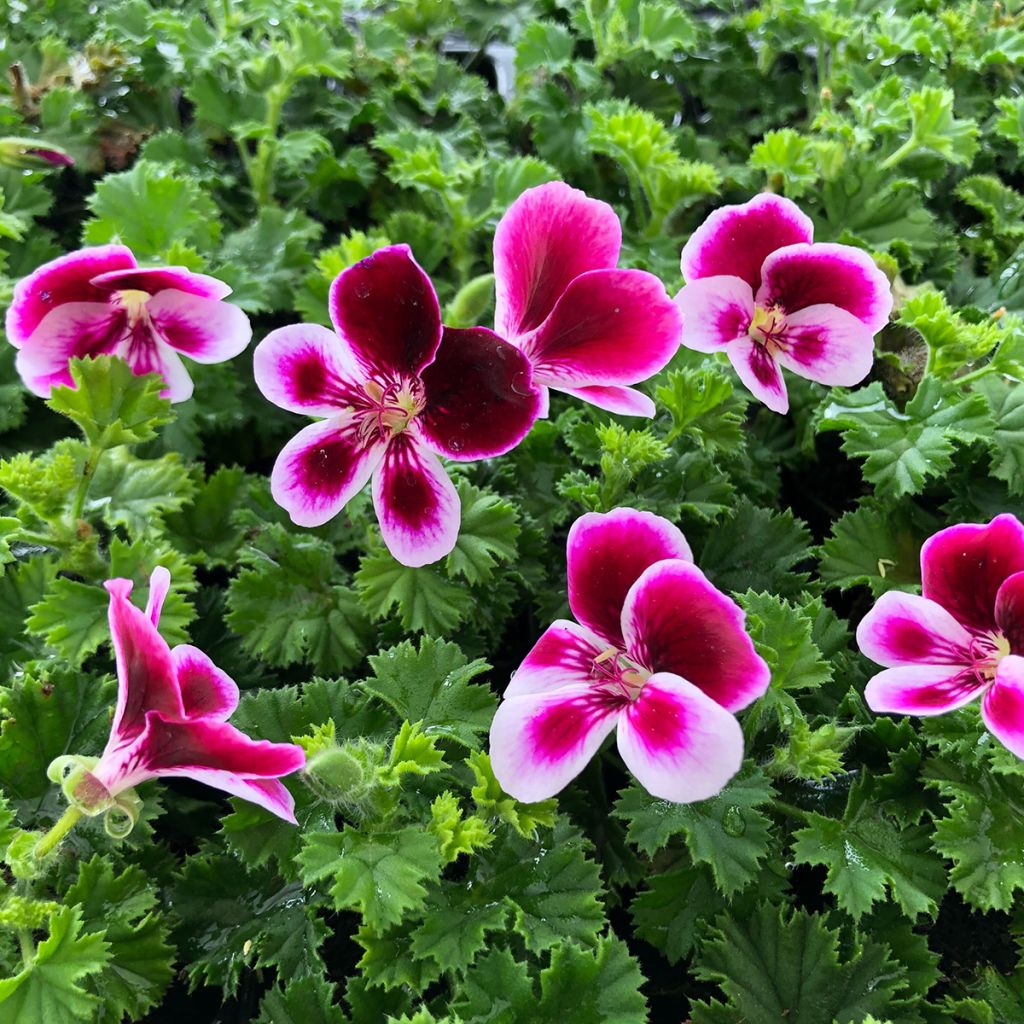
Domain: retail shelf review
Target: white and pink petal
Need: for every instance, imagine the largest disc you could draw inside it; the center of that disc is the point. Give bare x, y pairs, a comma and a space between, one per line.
760, 373
155, 279
1002, 707
828, 345
206, 330
923, 689
566, 655
716, 312
621, 400
206, 691
904, 629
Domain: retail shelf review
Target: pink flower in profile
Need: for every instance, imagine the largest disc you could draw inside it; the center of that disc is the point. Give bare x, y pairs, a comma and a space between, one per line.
660, 655
396, 389
588, 327
171, 720
99, 301
964, 638
758, 289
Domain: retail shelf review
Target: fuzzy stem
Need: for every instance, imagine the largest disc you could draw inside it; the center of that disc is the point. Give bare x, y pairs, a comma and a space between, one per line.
92, 460
895, 157
790, 810
61, 828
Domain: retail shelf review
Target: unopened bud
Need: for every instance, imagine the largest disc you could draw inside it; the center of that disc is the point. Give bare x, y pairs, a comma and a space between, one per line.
471, 302
27, 154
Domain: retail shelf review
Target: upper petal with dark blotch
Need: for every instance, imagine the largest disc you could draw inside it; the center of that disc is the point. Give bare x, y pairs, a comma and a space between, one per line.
416, 503
735, 240
306, 368
607, 552
386, 309
205, 330
827, 344
904, 629
541, 741
548, 236
156, 279
480, 396
679, 743
827, 274
608, 327
565, 655
65, 279
963, 567
675, 621
206, 691
322, 467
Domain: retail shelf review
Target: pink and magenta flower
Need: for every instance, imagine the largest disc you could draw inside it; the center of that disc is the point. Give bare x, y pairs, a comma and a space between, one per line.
761, 290
171, 721
658, 654
99, 301
396, 389
588, 327
963, 638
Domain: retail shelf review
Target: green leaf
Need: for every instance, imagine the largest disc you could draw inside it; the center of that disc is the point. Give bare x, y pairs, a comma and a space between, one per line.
935, 130
777, 965
544, 45
457, 833
670, 911
497, 990
902, 451
952, 341
301, 1001
1010, 122
866, 851
110, 404
455, 926
487, 536
134, 492
382, 875
47, 988
599, 986
493, 802
1006, 402
150, 207
73, 619
412, 753
703, 408
203, 529
727, 832
425, 601
433, 685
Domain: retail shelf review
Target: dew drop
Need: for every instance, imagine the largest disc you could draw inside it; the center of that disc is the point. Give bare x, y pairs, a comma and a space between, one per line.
519, 384
733, 821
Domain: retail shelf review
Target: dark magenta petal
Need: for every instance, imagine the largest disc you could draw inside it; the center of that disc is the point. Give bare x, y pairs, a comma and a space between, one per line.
146, 679
1002, 708
416, 503
480, 396
386, 309
541, 741
206, 691
963, 567
760, 373
922, 689
548, 236
156, 279
565, 655
679, 743
74, 330
608, 327
828, 345
675, 621
1010, 611
306, 368
904, 629
65, 279
205, 330
607, 552
827, 274
735, 240
322, 467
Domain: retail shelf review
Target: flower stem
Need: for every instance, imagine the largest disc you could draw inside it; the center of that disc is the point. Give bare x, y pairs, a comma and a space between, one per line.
92, 460
790, 810
61, 828
895, 157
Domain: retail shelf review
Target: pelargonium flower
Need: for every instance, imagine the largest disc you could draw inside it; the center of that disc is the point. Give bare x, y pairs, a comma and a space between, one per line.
588, 327
759, 289
397, 389
659, 655
171, 721
99, 301
963, 638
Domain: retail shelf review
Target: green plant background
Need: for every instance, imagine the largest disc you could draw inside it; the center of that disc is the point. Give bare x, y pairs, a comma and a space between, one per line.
859, 869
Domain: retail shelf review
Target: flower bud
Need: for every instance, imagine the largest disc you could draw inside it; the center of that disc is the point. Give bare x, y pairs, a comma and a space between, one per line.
28, 154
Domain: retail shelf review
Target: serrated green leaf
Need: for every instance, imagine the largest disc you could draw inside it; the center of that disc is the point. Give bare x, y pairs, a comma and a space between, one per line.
134, 492
487, 536
424, 600
301, 1001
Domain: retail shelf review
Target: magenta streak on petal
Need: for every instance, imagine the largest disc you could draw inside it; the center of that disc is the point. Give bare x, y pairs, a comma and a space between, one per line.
563, 656
826, 344
664, 722
759, 373
615, 398
206, 691
904, 629
205, 330
716, 312
923, 689
560, 729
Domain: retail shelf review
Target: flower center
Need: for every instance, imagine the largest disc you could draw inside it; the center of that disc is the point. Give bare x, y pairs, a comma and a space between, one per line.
618, 675
133, 301
767, 327
394, 407
987, 651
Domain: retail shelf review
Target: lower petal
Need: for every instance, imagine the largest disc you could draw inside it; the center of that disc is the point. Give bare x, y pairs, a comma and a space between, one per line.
541, 741
563, 656
622, 400
904, 629
675, 621
1003, 706
679, 743
154, 356
828, 345
480, 396
760, 373
607, 327
416, 503
73, 330
206, 691
922, 689
716, 311
205, 330
321, 468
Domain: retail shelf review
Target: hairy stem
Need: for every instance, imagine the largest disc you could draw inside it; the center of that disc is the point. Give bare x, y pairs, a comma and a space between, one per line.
61, 828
